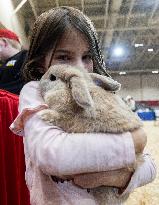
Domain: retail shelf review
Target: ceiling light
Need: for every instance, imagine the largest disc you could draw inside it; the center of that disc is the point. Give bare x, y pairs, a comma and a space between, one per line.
155, 71
122, 73
118, 52
150, 49
138, 45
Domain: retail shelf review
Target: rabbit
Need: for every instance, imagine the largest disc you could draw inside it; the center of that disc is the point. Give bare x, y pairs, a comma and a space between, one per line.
82, 102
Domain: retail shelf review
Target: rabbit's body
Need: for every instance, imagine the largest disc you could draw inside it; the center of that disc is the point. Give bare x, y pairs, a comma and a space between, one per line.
105, 111
80, 102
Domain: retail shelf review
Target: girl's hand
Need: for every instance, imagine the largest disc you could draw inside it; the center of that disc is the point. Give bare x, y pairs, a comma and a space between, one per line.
140, 139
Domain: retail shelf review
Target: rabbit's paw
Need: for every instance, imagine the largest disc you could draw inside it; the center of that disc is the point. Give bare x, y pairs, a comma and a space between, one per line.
49, 116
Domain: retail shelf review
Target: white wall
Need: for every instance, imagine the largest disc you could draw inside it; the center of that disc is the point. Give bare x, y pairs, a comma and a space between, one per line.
140, 86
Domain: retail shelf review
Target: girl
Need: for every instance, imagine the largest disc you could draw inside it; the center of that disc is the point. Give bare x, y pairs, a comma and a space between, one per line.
64, 35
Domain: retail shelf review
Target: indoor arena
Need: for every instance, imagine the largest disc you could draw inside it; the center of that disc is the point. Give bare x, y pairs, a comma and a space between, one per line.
79, 102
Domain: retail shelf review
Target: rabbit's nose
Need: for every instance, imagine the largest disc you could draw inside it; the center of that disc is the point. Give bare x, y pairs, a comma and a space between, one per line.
52, 77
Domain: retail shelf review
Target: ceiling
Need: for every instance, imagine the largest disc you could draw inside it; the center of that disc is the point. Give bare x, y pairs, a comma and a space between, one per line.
120, 25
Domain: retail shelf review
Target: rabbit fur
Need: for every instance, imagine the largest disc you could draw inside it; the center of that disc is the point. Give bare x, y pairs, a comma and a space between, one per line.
82, 102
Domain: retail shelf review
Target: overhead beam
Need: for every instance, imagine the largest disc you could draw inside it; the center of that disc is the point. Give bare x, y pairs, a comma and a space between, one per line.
57, 3
114, 11
130, 71
128, 16
93, 5
19, 6
102, 38
111, 22
33, 9
106, 13
101, 17
129, 29
153, 11
82, 5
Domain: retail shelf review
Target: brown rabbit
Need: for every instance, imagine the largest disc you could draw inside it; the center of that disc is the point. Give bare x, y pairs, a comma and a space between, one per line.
86, 102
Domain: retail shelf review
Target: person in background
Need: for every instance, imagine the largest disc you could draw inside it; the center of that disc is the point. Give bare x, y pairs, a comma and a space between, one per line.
64, 35
131, 103
11, 58
13, 189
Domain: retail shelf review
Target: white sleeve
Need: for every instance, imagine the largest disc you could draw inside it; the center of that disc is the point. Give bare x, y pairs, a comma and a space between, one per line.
59, 153
145, 173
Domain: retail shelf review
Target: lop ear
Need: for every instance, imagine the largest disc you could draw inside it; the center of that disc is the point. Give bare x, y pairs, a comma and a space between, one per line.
80, 92
105, 82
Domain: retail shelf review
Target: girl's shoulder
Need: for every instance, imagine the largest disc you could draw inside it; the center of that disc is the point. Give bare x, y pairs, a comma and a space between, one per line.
30, 95
30, 102
31, 85
30, 92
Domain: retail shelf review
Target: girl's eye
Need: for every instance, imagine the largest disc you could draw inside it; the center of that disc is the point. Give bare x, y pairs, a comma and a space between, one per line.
63, 57
87, 57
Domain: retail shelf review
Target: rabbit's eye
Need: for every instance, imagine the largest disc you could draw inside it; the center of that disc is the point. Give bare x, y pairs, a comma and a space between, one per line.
98, 82
52, 77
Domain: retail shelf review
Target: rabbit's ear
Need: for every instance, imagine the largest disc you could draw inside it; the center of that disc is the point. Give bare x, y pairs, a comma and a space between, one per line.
80, 92
105, 82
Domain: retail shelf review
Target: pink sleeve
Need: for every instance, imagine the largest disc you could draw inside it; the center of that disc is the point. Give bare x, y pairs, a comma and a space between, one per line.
59, 153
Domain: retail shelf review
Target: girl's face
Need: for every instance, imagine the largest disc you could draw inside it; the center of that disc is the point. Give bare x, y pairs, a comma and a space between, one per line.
73, 49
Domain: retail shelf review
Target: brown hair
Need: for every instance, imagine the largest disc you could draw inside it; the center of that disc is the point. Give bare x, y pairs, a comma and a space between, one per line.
48, 30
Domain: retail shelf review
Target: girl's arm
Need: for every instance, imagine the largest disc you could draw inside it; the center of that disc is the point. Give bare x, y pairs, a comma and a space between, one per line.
126, 182
144, 173
59, 153
62, 154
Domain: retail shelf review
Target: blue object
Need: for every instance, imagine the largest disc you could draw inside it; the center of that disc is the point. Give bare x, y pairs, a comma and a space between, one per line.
146, 116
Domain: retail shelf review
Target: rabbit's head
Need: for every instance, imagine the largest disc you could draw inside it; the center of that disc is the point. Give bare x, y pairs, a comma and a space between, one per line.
77, 80
72, 77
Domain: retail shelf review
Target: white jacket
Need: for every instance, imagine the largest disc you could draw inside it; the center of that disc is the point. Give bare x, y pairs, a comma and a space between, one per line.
51, 151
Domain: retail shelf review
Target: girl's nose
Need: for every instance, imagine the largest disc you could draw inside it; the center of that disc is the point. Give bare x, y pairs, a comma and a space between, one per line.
79, 63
